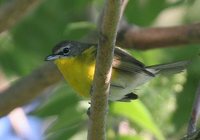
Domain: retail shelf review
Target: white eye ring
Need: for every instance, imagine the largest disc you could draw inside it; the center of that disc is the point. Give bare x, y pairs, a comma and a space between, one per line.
66, 51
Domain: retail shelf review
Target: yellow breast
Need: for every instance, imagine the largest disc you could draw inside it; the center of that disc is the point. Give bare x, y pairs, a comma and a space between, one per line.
78, 74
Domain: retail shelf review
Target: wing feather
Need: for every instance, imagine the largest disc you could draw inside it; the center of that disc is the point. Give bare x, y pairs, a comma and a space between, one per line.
125, 62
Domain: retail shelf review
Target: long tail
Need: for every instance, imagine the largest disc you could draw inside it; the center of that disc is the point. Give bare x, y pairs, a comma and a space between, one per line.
169, 68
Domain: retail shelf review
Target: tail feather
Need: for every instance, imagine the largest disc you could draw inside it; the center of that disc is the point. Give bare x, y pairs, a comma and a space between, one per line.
169, 68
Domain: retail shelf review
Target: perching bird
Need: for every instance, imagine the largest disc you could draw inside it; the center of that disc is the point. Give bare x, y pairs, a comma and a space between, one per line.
76, 62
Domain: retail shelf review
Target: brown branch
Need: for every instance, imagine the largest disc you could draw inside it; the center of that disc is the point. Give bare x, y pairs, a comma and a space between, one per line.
27, 88
101, 83
13, 11
160, 37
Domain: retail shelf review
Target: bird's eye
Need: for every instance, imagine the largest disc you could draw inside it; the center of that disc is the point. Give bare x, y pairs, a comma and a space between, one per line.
65, 51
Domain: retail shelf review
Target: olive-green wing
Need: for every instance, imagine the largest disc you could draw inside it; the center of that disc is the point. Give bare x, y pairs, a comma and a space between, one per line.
127, 57
125, 62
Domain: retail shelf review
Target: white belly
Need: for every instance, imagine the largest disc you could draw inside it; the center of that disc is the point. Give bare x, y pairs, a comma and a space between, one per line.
126, 84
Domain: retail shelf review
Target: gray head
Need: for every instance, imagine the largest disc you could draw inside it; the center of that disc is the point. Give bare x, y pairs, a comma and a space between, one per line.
67, 49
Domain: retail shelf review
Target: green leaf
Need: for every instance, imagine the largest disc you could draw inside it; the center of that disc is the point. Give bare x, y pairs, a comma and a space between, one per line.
61, 99
64, 133
144, 12
129, 138
137, 113
64, 107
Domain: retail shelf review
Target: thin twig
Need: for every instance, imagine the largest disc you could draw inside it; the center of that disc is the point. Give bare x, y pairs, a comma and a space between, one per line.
193, 136
195, 113
101, 83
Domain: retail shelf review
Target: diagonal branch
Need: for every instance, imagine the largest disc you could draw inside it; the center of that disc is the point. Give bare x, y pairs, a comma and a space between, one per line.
158, 37
27, 88
12, 11
101, 84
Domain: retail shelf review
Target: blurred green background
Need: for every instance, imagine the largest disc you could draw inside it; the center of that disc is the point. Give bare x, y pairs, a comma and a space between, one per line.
164, 107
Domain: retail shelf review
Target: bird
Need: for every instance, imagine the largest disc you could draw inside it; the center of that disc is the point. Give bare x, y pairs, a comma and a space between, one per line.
76, 62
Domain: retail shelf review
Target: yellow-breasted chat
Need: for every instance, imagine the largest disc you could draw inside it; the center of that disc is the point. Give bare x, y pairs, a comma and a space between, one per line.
76, 62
